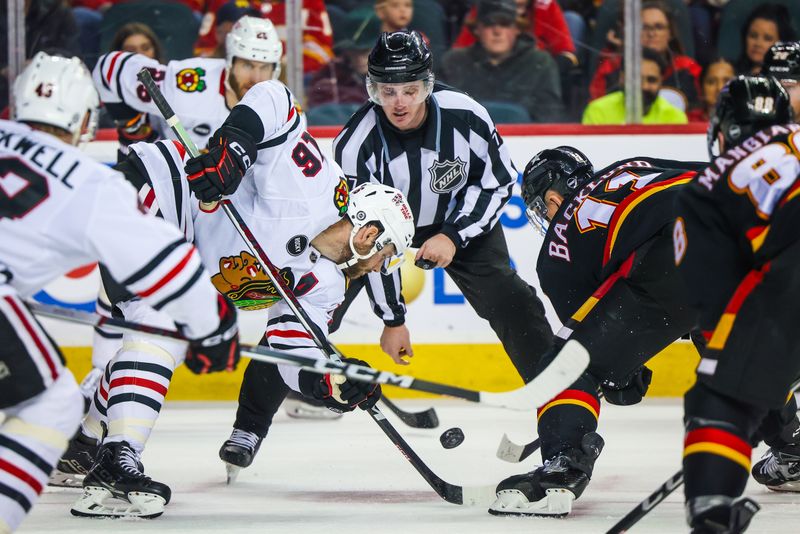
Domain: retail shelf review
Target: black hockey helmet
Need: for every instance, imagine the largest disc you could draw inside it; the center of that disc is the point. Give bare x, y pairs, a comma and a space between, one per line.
564, 169
746, 105
782, 61
399, 57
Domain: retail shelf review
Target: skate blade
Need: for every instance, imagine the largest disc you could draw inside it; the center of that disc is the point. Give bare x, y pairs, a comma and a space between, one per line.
232, 472
557, 503
99, 502
786, 487
59, 479
301, 410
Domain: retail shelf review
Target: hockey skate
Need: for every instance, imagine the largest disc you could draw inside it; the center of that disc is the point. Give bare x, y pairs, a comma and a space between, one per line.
117, 487
779, 469
76, 462
299, 407
550, 489
720, 514
238, 452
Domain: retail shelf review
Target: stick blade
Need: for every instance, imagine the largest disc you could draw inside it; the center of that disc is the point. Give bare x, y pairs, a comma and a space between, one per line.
478, 495
508, 451
570, 363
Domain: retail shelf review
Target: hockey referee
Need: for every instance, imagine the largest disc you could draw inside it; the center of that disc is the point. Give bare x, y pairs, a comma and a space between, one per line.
441, 149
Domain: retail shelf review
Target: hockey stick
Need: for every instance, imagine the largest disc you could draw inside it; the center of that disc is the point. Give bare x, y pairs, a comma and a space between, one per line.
661, 493
424, 419
641, 509
577, 359
515, 399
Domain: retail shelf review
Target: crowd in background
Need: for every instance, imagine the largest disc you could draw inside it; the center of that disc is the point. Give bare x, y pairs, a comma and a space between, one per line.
541, 61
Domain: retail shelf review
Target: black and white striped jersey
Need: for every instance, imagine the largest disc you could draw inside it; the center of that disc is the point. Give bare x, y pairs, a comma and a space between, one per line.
455, 171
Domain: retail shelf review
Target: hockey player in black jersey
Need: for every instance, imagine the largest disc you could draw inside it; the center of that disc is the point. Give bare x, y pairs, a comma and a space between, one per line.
736, 245
606, 266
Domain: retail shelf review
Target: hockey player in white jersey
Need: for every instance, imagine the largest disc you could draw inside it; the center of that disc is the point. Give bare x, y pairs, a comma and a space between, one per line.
295, 203
59, 209
202, 91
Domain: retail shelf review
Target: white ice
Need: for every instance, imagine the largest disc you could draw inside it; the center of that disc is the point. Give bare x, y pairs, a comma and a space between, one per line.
345, 476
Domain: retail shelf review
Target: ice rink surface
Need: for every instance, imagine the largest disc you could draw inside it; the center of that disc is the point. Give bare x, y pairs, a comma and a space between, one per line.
345, 476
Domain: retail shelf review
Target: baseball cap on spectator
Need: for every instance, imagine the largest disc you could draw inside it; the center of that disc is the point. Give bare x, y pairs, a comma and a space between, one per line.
502, 12
234, 10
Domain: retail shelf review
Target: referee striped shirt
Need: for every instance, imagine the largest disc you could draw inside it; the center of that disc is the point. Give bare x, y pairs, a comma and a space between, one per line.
455, 171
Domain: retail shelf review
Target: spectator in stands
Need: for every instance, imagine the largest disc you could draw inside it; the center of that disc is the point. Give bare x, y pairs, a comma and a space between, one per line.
139, 39
659, 33
343, 80
216, 24
610, 109
713, 78
395, 15
766, 25
504, 64
541, 19
317, 34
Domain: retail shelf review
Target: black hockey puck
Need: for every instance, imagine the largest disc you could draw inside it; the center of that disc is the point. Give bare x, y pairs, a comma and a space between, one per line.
452, 438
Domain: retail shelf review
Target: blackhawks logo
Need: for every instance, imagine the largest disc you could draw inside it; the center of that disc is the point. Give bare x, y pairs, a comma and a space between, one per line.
191, 80
242, 279
341, 196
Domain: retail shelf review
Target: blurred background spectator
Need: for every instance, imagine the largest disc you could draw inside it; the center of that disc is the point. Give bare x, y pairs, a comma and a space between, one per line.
610, 109
504, 64
139, 39
766, 25
713, 78
219, 23
342, 81
395, 15
317, 32
681, 74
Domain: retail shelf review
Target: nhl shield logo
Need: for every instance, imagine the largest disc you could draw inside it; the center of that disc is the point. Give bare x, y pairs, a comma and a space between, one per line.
447, 175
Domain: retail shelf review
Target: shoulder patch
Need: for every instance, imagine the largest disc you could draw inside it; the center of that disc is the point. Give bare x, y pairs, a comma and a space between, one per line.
341, 196
190, 80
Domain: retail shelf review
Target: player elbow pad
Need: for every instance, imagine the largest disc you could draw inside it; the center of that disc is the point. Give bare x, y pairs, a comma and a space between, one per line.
631, 392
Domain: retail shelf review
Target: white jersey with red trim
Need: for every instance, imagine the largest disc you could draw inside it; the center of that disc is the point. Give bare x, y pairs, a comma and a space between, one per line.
60, 209
195, 88
289, 196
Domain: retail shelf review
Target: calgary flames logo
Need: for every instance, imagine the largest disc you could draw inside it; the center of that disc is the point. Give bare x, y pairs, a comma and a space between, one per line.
341, 196
191, 80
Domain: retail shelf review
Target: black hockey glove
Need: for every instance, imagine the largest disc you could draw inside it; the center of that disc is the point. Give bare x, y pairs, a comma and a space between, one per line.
630, 393
218, 351
135, 130
337, 392
220, 171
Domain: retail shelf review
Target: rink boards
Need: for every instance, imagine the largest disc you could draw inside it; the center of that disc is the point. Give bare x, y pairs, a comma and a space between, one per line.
451, 343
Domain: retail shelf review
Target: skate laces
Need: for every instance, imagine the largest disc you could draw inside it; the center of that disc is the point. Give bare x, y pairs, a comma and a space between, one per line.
244, 439
779, 465
129, 461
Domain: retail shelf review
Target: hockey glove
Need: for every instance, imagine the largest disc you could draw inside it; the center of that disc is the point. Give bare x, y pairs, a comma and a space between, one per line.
337, 392
220, 171
632, 392
218, 351
135, 130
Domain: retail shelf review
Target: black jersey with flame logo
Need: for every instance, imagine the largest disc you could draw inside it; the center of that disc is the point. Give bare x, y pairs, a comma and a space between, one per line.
594, 232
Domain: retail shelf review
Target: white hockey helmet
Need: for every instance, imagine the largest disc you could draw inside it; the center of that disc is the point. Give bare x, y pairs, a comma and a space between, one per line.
255, 39
57, 91
387, 208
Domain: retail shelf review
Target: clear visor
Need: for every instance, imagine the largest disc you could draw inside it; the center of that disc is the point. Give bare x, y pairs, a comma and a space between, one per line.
392, 264
404, 94
537, 215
